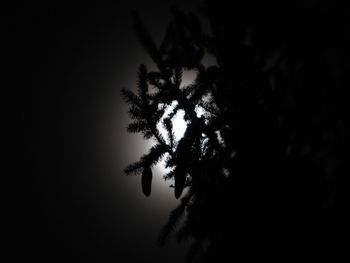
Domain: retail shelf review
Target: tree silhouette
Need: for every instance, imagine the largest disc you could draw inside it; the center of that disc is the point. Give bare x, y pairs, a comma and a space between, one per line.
266, 157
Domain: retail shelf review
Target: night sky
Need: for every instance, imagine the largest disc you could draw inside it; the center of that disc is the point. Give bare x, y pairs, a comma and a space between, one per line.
64, 194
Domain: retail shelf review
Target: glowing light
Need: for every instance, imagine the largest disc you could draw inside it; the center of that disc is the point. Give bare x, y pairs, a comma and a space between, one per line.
178, 122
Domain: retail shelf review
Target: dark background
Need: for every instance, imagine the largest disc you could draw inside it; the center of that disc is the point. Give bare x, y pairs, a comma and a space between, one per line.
64, 196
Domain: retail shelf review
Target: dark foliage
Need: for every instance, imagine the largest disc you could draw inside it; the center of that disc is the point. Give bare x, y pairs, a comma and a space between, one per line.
266, 162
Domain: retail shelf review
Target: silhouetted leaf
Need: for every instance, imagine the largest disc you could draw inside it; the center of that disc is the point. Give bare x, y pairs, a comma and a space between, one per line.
147, 41
134, 168
174, 218
266, 139
131, 97
139, 126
